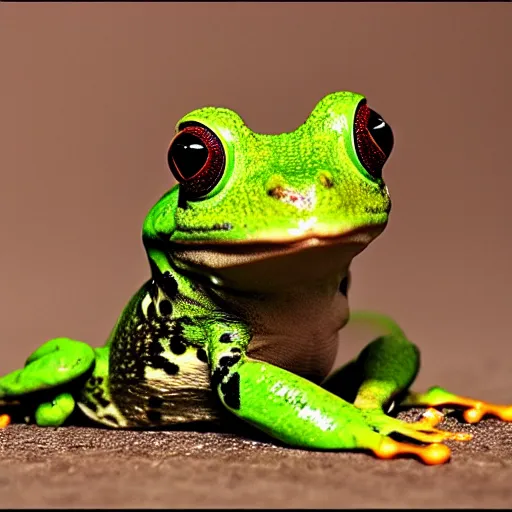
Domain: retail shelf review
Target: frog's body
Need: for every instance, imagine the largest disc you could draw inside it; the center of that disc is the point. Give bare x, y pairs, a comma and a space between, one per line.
250, 258
160, 377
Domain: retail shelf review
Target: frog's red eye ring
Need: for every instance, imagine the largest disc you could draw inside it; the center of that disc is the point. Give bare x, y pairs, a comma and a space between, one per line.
197, 160
374, 140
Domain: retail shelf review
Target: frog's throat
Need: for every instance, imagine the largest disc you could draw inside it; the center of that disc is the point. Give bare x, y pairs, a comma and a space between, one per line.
265, 266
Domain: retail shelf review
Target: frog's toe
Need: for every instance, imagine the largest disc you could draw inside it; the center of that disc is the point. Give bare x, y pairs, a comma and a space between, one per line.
474, 410
431, 454
5, 420
56, 412
431, 417
421, 431
480, 409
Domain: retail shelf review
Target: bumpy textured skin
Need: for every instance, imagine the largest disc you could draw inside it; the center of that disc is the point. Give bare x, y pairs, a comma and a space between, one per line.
248, 290
322, 147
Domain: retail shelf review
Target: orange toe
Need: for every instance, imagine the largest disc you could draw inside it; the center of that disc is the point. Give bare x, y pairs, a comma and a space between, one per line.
431, 417
5, 419
479, 409
431, 454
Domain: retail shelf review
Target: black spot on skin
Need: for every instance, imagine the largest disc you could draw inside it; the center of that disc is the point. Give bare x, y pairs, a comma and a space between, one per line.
154, 416
344, 285
155, 402
91, 383
153, 287
225, 338
160, 363
226, 226
168, 284
164, 281
229, 360
159, 332
98, 395
99, 380
177, 345
154, 349
222, 369
111, 418
235, 350
165, 308
373, 209
218, 374
92, 405
201, 355
231, 391
151, 311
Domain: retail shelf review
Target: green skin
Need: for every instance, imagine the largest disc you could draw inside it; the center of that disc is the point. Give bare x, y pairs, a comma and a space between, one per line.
242, 320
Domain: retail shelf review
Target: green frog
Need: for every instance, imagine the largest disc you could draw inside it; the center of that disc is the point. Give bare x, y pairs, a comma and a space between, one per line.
250, 257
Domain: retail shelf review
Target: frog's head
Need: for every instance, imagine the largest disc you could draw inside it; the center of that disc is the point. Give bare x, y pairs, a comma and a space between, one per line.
243, 197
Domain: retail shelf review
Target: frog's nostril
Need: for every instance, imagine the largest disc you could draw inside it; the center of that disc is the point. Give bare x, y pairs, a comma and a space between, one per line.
326, 180
276, 192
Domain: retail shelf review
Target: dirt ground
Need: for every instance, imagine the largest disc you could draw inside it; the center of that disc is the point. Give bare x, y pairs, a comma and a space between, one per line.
89, 467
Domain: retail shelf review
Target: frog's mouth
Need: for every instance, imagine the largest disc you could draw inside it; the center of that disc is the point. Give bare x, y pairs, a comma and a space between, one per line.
293, 240
253, 264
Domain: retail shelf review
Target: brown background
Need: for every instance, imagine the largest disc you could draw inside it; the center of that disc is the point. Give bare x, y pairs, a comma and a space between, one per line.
89, 97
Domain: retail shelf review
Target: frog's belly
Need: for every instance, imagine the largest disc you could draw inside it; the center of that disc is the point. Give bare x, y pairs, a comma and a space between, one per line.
161, 397
294, 327
299, 331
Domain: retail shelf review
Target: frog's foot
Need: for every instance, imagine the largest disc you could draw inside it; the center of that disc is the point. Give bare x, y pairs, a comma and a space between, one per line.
424, 430
55, 363
48, 414
474, 410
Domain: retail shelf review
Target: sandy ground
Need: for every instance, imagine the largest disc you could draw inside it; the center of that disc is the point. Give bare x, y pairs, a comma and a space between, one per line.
90, 467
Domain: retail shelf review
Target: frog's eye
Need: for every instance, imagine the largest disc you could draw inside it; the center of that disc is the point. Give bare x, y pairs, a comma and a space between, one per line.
196, 158
373, 138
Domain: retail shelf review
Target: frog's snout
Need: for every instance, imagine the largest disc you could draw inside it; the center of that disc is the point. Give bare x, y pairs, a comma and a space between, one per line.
301, 200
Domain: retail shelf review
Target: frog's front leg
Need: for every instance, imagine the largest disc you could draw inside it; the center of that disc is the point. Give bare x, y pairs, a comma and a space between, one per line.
54, 365
293, 409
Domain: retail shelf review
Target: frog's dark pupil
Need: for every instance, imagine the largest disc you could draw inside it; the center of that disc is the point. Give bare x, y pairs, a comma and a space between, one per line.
189, 154
381, 132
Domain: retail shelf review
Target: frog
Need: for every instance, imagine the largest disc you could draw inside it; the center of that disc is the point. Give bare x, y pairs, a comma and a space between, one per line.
250, 255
